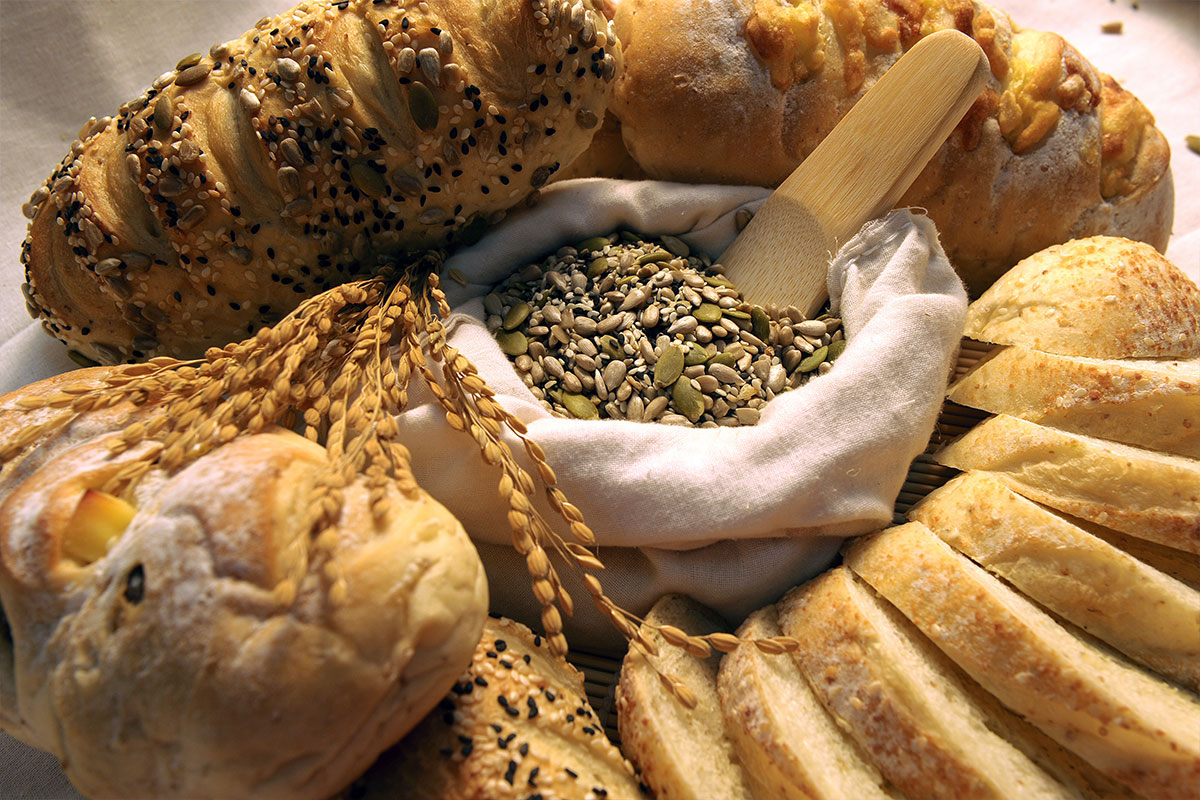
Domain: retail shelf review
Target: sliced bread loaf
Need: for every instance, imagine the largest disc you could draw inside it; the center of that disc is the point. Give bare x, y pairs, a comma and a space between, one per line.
1154, 404
789, 745
889, 688
1140, 492
681, 753
1128, 724
1151, 617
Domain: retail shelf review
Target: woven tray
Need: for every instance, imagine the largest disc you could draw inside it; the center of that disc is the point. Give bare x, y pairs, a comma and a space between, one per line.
924, 475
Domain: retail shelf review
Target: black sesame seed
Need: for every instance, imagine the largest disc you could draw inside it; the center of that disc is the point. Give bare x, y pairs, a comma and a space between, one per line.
135, 584
523, 749
511, 772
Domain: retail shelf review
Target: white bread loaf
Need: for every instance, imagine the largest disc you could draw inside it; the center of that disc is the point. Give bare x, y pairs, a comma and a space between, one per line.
790, 747
1149, 616
1102, 297
1182, 566
147, 645
1140, 492
1128, 724
516, 724
890, 690
680, 753
741, 91
1143, 402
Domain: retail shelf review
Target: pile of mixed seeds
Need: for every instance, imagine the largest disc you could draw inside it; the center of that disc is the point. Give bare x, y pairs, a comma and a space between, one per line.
626, 327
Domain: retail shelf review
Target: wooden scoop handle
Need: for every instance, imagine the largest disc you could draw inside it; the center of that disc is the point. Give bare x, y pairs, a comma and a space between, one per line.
857, 173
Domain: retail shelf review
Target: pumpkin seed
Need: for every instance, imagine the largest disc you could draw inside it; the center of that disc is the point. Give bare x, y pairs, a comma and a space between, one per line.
611, 347
423, 106
727, 358
512, 343
735, 314
696, 355
367, 180
598, 266
814, 361
594, 243
836, 348
760, 323
708, 313
717, 280
687, 399
669, 366
653, 257
516, 315
579, 406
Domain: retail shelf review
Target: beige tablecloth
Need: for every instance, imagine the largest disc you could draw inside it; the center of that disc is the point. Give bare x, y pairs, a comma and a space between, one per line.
64, 60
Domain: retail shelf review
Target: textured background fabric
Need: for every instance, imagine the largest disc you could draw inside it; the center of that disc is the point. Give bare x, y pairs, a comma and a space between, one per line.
63, 60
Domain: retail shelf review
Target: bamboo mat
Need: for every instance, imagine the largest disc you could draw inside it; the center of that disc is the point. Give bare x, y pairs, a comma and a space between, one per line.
924, 475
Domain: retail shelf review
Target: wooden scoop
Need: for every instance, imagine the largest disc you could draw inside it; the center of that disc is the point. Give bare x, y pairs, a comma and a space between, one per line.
857, 173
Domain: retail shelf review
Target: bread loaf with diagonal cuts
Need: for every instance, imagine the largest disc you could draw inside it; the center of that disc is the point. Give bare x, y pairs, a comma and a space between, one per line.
1132, 726
292, 158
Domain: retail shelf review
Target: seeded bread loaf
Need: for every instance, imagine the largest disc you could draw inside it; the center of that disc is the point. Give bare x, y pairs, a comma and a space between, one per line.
286, 161
515, 725
912, 716
1128, 724
789, 747
680, 753
1140, 492
1102, 297
1144, 402
1137, 609
740, 91
181, 641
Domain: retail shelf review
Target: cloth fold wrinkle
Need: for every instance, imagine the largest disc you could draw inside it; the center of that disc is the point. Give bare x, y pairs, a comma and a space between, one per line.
826, 460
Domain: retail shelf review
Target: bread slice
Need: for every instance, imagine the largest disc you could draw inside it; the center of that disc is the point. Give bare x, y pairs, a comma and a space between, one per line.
1183, 567
681, 753
1128, 724
1151, 617
789, 745
516, 724
913, 718
1140, 492
1143, 402
1103, 297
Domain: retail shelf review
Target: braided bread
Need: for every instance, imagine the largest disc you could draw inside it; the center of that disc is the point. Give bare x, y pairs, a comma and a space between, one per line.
740, 91
289, 159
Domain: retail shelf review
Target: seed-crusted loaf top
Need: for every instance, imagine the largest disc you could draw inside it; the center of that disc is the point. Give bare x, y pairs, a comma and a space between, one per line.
286, 160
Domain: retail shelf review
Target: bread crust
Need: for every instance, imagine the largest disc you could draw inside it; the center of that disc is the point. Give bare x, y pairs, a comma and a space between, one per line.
1152, 495
1051, 150
1133, 607
920, 728
680, 753
1102, 297
292, 158
1148, 403
1128, 724
473, 747
172, 665
790, 747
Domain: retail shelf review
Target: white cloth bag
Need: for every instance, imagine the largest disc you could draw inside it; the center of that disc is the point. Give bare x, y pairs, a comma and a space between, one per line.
731, 516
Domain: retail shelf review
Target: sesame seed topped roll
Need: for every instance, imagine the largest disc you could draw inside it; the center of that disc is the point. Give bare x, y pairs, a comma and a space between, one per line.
290, 159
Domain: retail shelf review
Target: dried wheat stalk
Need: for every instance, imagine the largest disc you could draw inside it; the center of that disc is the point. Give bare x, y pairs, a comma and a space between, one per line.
338, 369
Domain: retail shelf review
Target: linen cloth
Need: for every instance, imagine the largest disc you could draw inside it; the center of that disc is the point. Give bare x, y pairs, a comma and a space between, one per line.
63, 60
826, 459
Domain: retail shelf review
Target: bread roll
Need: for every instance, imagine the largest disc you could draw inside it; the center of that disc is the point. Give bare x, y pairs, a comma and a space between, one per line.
740, 91
289, 159
680, 753
913, 717
1144, 402
1140, 611
147, 645
516, 724
1101, 297
789, 746
1126, 723
1140, 492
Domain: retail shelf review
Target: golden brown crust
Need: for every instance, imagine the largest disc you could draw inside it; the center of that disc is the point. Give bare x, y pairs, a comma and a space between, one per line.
1144, 402
1140, 492
1103, 297
1052, 149
1083, 579
173, 663
287, 160
516, 724
1128, 724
